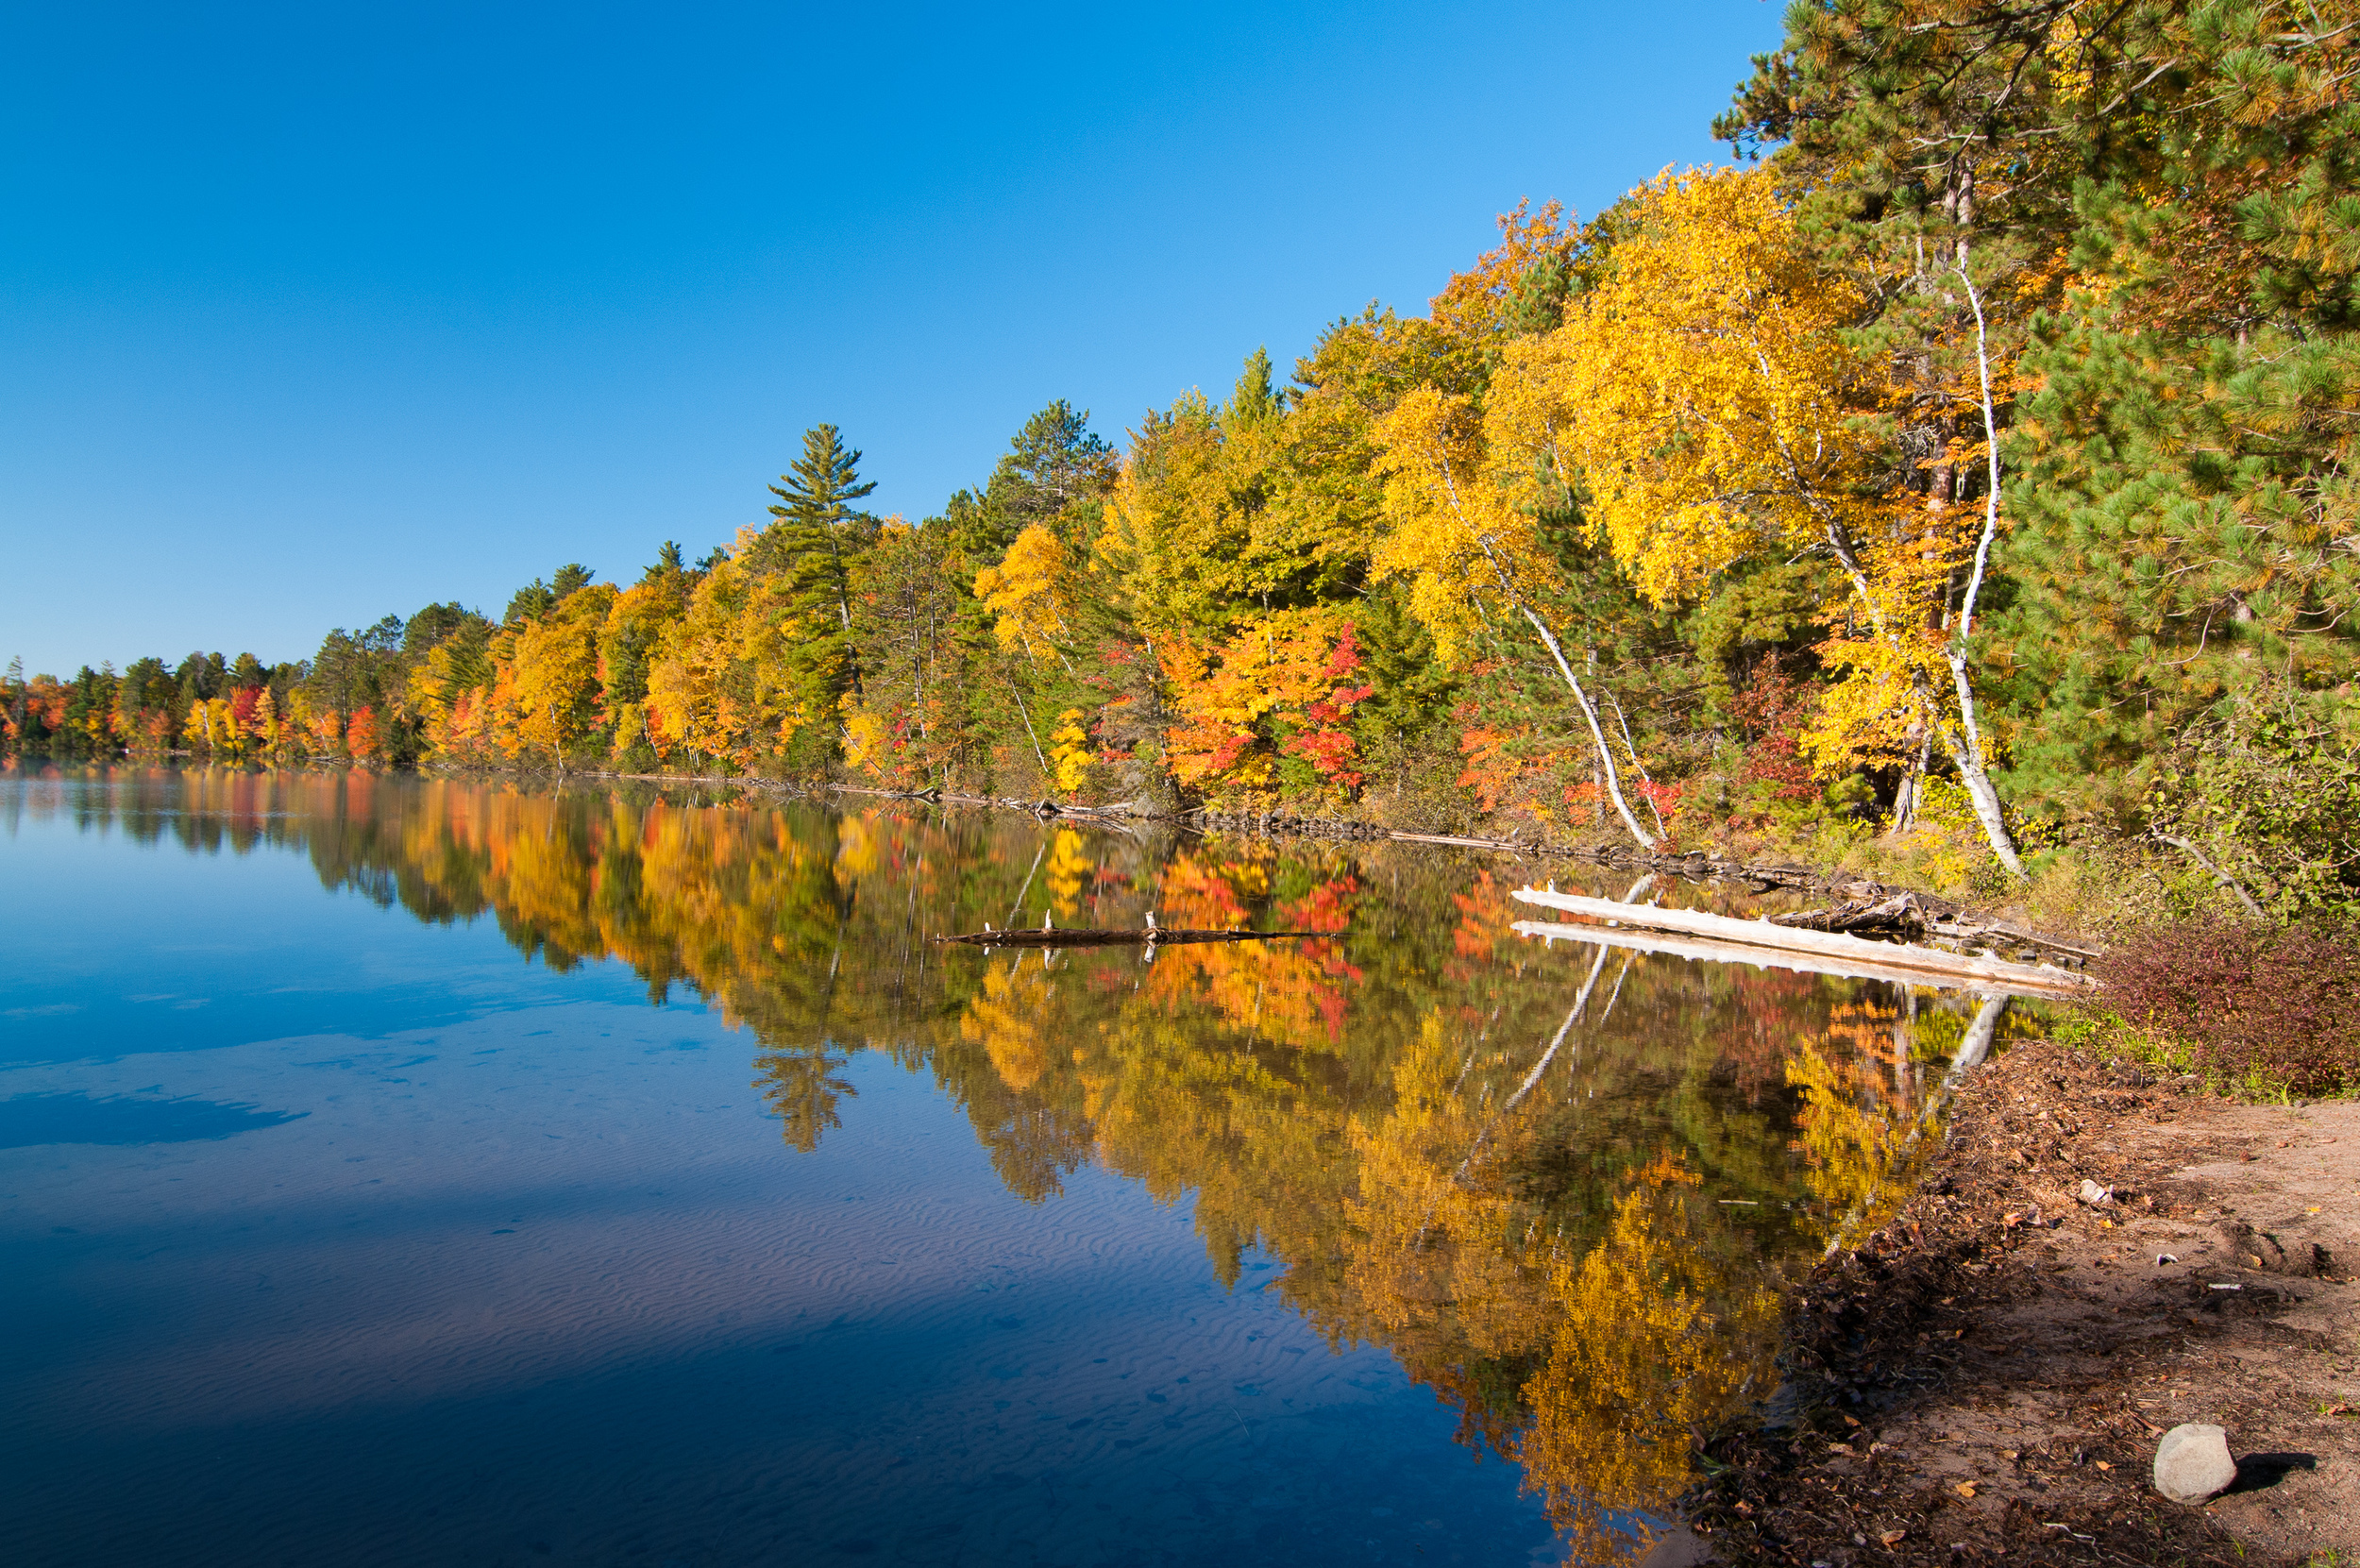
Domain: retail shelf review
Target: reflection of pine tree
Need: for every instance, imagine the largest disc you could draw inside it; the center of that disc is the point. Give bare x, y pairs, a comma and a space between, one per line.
801, 1087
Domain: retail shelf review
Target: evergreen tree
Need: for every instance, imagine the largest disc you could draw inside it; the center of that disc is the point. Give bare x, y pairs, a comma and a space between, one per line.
804, 562
528, 603
820, 532
1056, 471
669, 565
430, 626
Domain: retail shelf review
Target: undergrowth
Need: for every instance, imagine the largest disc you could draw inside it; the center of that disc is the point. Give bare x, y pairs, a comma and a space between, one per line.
2257, 1011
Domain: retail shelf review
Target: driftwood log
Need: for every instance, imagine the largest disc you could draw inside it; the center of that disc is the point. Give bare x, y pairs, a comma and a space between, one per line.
1771, 945
1917, 915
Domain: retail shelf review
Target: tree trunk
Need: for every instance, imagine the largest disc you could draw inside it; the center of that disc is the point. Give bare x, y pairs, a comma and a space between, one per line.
1968, 754
1905, 806
2220, 876
1966, 751
1607, 769
1049, 774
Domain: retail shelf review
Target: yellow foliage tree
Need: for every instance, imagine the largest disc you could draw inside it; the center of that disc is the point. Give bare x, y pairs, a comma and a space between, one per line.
1467, 547
262, 725
1195, 532
556, 671
1030, 593
1705, 398
210, 728
721, 681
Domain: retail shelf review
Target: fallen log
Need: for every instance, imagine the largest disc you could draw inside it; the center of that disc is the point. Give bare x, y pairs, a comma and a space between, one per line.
1857, 955
1705, 950
1913, 915
1903, 912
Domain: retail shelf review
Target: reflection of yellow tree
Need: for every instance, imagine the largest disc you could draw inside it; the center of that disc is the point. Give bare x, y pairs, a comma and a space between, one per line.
1442, 1267
1853, 1136
1410, 1132
1009, 1018
1068, 870
1660, 1337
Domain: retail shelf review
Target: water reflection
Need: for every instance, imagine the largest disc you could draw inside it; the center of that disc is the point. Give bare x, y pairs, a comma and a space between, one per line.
1559, 1186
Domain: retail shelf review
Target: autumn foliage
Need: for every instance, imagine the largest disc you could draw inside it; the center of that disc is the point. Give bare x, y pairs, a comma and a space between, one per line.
1998, 396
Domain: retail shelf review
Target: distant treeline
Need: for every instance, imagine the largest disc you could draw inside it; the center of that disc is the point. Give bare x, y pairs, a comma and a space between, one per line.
1975, 453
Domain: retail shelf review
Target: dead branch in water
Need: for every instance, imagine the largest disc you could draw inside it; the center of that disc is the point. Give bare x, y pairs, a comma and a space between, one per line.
1087, 936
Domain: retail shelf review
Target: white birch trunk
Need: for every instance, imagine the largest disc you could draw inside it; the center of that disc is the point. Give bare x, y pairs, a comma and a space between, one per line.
1969, 753
1607, 769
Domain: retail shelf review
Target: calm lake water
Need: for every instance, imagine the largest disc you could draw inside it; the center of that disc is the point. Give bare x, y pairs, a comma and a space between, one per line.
400, 1171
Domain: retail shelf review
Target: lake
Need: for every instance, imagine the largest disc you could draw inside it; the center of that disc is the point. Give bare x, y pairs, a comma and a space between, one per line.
406, 1171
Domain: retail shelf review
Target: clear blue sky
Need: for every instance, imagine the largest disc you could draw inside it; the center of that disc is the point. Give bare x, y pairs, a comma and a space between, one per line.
316, 313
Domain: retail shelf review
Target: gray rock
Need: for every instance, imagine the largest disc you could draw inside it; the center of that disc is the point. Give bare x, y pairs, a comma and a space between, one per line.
1682, 1548
2192, 1463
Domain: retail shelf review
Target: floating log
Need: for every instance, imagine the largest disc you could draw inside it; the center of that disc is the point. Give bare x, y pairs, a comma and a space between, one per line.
1087, 936
1835, 953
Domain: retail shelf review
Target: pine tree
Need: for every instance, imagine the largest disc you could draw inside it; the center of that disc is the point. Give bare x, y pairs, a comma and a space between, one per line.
805, 564
820, 532
2187, 503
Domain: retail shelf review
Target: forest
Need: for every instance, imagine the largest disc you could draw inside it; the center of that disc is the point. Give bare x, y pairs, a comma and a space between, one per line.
1954, 483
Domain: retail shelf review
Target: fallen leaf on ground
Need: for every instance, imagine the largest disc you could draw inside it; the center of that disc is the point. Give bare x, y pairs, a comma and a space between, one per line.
2103, 1465
1965, 1489
1893, 1538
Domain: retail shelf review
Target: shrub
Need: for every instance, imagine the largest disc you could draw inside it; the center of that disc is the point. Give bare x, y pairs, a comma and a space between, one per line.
2251, 1006
2271, 794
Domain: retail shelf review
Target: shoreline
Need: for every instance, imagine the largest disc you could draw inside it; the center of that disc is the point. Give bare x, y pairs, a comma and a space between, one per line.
1983, 1378
1274, 824
1953, 927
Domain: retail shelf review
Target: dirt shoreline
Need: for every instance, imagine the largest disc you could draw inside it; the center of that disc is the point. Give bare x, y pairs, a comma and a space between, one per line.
1984, 1378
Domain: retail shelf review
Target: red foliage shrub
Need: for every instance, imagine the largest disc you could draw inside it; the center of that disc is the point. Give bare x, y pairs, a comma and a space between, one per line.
2280, 1004
1771, 711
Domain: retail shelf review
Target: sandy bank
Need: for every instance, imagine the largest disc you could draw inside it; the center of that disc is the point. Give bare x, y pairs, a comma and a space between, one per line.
1984, 1379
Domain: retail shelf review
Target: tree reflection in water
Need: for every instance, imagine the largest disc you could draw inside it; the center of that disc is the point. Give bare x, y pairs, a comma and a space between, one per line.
1560, 1188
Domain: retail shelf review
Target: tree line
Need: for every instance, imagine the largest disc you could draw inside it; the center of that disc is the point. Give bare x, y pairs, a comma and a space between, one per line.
1969, 454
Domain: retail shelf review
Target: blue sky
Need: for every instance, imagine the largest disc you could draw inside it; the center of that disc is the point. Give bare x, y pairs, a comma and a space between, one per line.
313, 313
